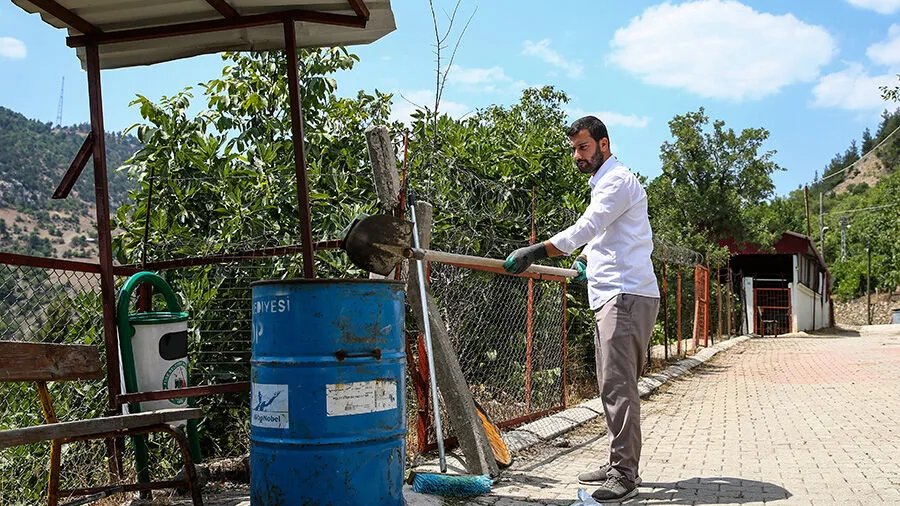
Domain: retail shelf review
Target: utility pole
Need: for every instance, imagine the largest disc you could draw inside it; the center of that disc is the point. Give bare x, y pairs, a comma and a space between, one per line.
843, 238
868, 284
806, 201
821, 226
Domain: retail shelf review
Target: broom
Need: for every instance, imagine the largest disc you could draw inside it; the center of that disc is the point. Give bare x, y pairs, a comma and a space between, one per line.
433, 483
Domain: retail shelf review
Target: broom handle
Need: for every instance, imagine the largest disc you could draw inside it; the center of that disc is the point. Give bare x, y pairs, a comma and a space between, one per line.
455, 258
423, 294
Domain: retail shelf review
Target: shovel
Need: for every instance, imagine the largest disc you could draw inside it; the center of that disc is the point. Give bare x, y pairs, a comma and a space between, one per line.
380, 242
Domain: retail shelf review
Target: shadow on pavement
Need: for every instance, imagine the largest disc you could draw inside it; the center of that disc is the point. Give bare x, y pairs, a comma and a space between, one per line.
709, 490
708, 369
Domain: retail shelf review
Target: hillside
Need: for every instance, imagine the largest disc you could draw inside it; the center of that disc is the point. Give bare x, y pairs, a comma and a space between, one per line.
865, 174
33, 158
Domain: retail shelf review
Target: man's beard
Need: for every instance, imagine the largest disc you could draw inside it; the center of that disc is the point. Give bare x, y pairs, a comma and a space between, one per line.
591, 166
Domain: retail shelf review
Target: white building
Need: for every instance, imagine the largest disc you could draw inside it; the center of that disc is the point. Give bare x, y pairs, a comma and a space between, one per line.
785, 290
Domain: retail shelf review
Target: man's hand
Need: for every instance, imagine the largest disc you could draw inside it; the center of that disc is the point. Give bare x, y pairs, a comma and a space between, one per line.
580, 265
522, 258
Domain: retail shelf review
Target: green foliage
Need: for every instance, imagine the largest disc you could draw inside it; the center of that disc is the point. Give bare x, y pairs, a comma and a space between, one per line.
873, 219
871, 214
712, 180
481, 173
226, 176
890, 94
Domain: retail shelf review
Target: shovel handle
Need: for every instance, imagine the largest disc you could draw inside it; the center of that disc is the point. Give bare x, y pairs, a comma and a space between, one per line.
455, 258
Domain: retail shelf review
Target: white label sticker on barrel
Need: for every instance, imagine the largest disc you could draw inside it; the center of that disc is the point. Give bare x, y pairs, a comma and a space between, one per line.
362, 397
269, 406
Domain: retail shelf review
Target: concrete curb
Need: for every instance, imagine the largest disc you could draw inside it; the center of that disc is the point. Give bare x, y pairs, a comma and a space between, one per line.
552, 426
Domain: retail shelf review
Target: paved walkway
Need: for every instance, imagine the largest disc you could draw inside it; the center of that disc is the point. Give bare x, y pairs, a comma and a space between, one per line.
794, 420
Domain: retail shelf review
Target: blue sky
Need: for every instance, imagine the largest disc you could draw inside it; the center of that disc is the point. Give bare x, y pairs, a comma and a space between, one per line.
808, 71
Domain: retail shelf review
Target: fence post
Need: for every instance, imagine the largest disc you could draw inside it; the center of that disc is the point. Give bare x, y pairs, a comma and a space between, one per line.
678, 313
718, 304
665, 308
529, 320
565, 285
706, 308
728, 291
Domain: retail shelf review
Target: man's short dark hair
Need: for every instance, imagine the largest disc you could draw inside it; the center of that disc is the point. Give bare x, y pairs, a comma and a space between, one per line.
590, 123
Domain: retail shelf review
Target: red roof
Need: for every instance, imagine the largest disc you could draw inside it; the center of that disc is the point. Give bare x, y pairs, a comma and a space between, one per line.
790, 243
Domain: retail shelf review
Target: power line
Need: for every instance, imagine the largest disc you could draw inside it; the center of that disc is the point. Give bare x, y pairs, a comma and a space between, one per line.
845, 169
871, 208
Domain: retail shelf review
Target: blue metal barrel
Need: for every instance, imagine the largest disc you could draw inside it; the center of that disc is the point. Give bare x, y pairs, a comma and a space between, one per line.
327, 407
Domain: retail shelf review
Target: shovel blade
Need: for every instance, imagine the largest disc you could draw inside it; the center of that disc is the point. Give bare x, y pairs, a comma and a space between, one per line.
376, 243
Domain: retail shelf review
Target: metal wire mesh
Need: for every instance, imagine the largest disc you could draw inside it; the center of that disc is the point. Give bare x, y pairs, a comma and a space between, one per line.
50, 306
514, 368
218, 298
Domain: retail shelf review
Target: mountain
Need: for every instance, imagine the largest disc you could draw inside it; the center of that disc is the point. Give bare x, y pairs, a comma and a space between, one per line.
33, 158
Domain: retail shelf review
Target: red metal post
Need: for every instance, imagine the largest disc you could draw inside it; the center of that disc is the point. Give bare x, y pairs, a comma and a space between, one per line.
665, 310
104, 240
706, 307
529, 321
678, 314
718, 305
564, 343
420, 387
729, 296
290, 47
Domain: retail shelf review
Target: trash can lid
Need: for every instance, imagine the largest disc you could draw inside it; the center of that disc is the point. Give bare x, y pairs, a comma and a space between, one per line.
157, 317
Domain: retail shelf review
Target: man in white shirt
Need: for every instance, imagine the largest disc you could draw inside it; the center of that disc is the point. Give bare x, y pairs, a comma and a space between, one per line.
622, 291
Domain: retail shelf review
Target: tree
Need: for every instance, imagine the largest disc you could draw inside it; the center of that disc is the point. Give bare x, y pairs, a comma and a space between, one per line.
225, 178
712, 178
867, 141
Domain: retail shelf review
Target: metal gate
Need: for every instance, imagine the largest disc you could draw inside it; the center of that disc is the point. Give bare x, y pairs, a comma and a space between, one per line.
701, 305
772, 310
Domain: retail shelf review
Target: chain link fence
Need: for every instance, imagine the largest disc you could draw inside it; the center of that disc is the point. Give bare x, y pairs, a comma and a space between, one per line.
509, 336
50, 306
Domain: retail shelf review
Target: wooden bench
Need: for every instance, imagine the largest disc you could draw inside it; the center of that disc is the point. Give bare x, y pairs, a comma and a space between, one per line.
42, 363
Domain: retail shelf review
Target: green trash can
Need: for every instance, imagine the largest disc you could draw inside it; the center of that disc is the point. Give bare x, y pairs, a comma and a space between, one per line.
153, 349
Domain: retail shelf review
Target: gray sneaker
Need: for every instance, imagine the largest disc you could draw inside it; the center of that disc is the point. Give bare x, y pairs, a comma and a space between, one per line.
615, 489
599, 476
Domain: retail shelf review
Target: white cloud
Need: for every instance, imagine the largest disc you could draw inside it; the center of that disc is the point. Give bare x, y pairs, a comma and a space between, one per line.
879, 6
887, 52
12, 48
473, 76
852, 89
721, 49
407, 102
484, 80
542, 51
611, 119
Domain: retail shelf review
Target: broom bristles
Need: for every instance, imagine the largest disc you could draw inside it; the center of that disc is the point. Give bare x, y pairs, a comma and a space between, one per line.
451, 485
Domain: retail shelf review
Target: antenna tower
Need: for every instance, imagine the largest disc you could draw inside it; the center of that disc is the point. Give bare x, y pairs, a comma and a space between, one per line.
59, 107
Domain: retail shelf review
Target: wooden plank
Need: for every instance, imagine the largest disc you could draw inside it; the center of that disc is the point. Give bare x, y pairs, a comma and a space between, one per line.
458, 401
175, 393
80, 428
74, 171
48, 362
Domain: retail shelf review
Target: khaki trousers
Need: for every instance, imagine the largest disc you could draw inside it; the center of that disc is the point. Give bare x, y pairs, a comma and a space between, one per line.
624, 325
